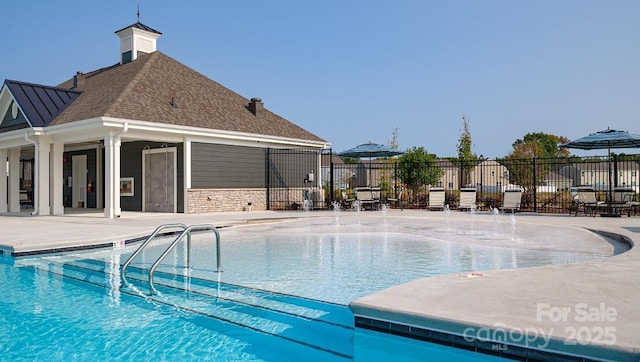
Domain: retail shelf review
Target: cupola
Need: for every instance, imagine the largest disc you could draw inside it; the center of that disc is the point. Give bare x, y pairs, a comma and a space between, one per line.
136, 39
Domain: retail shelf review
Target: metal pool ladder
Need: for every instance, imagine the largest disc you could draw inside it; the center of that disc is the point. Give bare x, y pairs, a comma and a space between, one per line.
186, 231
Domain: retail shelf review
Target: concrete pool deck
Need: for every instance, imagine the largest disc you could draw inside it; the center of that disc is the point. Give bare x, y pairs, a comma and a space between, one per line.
547, 309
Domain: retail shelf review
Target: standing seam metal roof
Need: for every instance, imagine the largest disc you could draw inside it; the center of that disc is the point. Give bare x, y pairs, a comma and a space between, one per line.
40, 104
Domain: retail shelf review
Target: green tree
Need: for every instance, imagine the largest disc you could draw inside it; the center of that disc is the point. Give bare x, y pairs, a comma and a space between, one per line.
466, 157
351, 160
531, 146
540, 145
417, 167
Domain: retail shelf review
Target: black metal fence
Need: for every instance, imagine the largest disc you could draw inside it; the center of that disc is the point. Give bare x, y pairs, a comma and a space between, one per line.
548, 185
292, 179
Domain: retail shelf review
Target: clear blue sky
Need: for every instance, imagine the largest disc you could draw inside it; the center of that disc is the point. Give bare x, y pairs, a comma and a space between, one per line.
352, 71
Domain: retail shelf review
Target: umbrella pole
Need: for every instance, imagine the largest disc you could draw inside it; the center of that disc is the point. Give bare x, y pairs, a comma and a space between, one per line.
610, 212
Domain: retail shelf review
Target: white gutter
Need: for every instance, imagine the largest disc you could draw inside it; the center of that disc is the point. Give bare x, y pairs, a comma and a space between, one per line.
124, 129
36, 174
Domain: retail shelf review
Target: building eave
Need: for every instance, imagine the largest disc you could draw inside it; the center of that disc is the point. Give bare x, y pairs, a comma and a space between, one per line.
89, 130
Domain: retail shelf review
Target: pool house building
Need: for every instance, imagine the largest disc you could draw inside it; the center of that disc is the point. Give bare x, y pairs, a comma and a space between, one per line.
145, 134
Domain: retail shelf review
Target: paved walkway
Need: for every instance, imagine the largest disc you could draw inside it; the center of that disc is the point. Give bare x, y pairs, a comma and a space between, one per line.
32, 234
596, 301
587, 309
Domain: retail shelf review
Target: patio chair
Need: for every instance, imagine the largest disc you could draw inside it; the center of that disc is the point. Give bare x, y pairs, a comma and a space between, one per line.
623, 200
396, 200
467, 199
511, 200
634, 204
436, 198
347, 202
586, 199
25, 200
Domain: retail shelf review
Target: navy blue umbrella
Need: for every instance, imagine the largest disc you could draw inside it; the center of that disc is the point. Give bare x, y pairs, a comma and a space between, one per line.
602, 140
605, 140
370, 150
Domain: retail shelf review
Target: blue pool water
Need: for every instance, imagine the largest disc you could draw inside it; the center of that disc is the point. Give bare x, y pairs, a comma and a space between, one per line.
282, 296
72, 311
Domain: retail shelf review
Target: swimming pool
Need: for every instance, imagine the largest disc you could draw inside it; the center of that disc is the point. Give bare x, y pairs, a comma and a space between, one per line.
282, 295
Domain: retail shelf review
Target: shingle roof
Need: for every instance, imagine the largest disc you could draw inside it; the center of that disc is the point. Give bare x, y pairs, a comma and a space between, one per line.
40, 104
148, 88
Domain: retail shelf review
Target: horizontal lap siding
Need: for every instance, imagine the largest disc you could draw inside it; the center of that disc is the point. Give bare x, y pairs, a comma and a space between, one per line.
221, 166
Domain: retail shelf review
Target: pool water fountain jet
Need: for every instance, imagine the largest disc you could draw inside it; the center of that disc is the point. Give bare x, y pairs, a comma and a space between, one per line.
384, 208
514, 232
447, 214
357, 205
497, 219
336, 211
306, 207
472, 216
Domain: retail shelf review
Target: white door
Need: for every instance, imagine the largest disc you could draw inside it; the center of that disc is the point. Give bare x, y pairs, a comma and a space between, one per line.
79, 184
159, 185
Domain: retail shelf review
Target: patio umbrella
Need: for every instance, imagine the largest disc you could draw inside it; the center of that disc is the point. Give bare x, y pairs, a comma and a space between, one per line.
370, 150
606, 139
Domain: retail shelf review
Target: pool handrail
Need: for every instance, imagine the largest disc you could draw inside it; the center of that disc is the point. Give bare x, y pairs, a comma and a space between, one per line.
123, 270
187, 232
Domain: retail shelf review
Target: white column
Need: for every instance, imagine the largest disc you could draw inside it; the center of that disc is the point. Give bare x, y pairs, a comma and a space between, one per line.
187, 172
56, 180
14, 180
117, 211
108, 177
3, 181
42, 189
99, 184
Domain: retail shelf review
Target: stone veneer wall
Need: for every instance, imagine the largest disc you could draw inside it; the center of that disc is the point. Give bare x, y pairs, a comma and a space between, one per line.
214, 200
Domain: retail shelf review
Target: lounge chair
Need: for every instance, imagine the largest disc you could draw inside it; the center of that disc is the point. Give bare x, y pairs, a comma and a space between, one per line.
467, 198
586, 199
436, 198
511, 200
369, 197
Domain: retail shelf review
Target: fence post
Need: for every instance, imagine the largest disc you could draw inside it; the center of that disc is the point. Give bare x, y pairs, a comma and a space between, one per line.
268, 177
395, 181
461, 173
614, 159
535, 187
331, 185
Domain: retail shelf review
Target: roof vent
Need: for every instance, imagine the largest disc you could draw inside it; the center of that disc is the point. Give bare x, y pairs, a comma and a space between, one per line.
256, 107
78, 80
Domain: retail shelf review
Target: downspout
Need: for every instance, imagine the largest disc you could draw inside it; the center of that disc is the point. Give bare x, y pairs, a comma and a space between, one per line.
124, 129
36, 174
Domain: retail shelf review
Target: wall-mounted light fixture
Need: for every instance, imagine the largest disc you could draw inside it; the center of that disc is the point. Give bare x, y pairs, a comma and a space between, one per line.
310, 177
